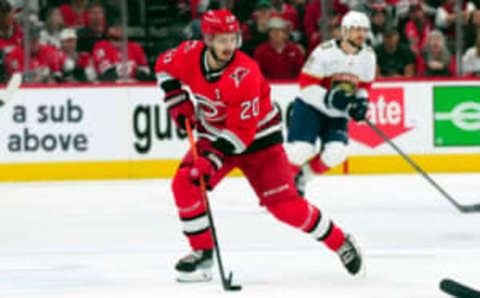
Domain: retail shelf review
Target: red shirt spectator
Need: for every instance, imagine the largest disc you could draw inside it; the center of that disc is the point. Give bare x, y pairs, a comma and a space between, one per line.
44, 64
12, 39
11, 35
107, 55
313, 13
278, 58
417, 29
75, 14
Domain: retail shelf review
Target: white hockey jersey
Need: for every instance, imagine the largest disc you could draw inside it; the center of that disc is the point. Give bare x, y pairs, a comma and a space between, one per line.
329, 66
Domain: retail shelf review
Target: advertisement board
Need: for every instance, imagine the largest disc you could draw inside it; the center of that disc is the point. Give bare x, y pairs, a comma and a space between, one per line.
106, 132
456, 115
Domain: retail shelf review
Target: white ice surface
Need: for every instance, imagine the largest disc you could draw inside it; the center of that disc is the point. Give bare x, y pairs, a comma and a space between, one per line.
122, 238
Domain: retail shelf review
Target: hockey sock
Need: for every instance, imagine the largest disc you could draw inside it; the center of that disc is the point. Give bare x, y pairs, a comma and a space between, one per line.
192, 211
300, 214
317, 166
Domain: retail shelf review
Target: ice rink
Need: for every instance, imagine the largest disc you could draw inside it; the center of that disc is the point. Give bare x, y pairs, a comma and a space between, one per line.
122, 239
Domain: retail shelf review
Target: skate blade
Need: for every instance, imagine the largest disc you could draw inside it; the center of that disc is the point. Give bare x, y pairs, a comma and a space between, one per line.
195, 276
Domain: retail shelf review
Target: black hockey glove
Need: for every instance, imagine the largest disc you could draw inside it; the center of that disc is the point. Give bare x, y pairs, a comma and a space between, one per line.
357, 109
338, 99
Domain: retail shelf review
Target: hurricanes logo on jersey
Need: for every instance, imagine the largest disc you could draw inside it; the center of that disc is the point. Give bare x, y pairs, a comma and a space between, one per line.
238, 75
213, 111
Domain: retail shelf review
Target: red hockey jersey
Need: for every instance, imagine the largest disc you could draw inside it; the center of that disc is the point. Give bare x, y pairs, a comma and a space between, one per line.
233, 103
44, 65
106, 56
8, 42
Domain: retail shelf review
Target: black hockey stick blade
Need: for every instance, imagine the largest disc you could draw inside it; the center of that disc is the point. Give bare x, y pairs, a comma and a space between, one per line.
229, 287
458, 290
470, 208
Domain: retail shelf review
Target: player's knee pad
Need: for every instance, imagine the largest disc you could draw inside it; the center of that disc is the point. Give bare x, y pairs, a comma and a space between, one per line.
334, 154
187, 196
299, 152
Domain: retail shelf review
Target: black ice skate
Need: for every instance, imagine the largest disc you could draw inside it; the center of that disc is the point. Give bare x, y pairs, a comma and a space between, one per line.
350, 255
195, 267
301, 183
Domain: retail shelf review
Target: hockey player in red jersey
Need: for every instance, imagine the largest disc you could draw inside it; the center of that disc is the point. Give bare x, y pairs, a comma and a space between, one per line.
237, 126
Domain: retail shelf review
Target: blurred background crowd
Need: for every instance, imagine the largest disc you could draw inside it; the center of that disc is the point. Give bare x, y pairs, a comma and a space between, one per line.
82, 41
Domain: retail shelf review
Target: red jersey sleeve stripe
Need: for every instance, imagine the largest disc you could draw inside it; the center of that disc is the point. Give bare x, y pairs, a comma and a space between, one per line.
305, 80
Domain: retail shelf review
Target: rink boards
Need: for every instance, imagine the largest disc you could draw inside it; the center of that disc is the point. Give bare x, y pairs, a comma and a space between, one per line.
114, 132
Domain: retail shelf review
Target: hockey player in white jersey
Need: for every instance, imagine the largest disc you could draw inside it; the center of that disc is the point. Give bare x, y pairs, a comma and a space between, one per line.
334, 86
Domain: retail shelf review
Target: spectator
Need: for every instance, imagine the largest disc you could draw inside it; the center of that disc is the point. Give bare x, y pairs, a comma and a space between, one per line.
333, 22
379, 23
95, 31
299, 6
288, 13
313, 13
75, 14
279, 58
394, 59
241, 8
11, 35
445, 18
313, 18
255, 32
108, 59
417, 28
471, 29
436, 60
77, 67
471, 59
369, 7
43, 66
53, 26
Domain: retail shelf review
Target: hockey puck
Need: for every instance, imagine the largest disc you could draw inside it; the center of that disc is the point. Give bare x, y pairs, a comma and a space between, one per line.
457, 289
1, 103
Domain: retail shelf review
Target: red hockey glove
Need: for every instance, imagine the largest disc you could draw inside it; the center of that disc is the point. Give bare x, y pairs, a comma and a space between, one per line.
210, 161
180, 107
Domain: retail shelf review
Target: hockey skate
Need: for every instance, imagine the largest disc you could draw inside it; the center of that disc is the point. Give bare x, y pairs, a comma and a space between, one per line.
351, 256
195, 267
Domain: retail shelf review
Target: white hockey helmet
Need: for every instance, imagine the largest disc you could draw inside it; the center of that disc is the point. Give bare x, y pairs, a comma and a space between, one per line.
355, 19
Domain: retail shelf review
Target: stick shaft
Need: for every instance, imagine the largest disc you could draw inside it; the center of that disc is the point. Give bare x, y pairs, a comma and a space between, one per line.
415, 166
203, 190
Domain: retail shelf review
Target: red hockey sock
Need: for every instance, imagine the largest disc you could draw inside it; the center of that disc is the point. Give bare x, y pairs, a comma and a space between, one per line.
335, 238
192, 211
317, 165
300, 214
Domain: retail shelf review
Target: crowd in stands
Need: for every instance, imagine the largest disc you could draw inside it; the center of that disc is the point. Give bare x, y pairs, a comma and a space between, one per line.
76, 40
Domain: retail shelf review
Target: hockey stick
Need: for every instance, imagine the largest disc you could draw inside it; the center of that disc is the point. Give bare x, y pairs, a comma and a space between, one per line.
12, 86
226, 282
456, 289
461, 208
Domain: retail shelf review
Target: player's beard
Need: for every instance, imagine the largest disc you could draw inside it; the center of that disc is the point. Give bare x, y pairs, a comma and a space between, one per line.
226, 56
355, 42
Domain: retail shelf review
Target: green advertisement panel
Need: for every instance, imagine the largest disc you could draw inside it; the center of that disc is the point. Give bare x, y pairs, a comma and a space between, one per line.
456, 116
